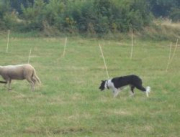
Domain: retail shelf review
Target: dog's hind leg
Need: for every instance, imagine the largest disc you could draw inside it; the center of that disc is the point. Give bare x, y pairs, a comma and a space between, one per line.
132, 90
146, 90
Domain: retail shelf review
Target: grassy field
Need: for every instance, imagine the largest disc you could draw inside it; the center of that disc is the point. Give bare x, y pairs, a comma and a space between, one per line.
69, 103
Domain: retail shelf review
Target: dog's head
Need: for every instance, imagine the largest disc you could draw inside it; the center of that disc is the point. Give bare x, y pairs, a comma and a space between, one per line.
102, 86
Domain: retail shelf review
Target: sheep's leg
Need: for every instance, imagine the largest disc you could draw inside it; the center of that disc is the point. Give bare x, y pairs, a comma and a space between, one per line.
34, 80
9, 84
32, 86
31, 83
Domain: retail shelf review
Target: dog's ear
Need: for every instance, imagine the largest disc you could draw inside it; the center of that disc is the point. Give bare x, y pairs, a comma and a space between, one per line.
102, 80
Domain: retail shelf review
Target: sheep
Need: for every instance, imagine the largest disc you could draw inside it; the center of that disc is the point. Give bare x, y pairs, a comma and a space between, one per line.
19, 72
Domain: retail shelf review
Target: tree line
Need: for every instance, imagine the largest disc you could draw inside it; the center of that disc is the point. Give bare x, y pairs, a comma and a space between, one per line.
84, 16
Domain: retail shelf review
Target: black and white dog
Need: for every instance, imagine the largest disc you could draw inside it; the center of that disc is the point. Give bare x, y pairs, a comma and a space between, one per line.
117, 84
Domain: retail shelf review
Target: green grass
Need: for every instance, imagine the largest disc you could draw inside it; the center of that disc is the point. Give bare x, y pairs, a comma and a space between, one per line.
69, 102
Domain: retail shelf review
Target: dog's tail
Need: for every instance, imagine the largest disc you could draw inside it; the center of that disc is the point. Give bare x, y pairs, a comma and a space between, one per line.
148, 90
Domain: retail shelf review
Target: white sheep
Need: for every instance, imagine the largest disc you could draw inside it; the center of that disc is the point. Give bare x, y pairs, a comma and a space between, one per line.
19, 72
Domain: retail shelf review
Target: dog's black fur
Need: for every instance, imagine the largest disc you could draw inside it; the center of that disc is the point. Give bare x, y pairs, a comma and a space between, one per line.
118, 82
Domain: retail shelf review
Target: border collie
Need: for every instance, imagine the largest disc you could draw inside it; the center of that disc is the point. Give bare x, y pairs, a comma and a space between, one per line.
118, 83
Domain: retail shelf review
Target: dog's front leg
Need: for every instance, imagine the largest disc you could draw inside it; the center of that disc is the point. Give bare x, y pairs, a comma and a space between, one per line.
116, 92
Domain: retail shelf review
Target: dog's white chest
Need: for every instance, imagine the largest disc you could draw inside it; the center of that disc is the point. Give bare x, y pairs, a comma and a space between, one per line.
109, 84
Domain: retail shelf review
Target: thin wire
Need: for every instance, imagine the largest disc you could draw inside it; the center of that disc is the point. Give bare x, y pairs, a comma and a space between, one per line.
104, 61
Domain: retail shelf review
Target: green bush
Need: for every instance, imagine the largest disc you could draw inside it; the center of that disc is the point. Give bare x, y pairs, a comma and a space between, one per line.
87, 16
165, 8
175, 14
4, 11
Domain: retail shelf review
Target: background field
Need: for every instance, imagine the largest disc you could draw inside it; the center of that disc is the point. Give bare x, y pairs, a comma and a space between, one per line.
69, 102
